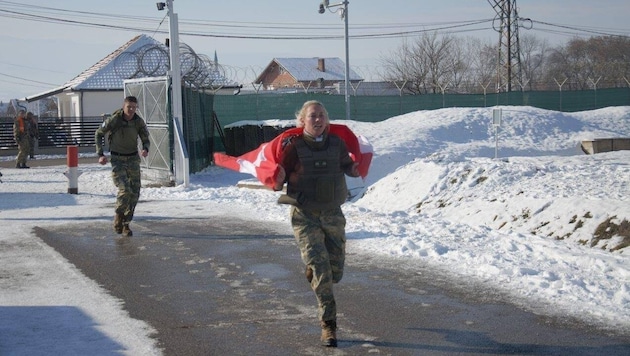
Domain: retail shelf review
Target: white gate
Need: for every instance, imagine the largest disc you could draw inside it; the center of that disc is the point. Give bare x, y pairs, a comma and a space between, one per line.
153, 107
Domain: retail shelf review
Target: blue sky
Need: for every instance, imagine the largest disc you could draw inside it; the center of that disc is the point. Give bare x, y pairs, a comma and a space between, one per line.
41, 54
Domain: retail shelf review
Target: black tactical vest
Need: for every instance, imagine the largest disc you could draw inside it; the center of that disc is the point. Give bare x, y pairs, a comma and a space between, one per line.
322, 185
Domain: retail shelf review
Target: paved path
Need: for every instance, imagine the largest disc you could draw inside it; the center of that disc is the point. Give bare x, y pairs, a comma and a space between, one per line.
229, 287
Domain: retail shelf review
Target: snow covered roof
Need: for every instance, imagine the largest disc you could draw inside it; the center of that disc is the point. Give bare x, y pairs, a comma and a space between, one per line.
307, 69
104, 75
142, 56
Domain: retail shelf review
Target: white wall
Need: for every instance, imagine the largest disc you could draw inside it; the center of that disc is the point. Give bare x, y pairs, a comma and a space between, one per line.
102, 102
64, 102
84, 104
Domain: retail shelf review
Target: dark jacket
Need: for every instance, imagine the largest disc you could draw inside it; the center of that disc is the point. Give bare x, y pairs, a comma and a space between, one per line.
315, 172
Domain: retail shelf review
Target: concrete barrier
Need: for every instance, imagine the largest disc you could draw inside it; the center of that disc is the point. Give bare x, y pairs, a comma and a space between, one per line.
605, 145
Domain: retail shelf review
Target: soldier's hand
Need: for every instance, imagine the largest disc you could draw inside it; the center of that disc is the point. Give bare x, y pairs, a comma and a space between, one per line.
144, 153
280, 178
102, 160
355, 169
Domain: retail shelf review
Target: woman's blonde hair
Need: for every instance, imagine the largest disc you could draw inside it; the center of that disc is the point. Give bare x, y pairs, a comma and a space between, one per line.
299, 115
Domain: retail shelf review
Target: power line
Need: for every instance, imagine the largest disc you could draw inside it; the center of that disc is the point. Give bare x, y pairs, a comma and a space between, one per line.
237, 30
252, 30
228, 24
28, 80
39, 18
589, 30
29, 67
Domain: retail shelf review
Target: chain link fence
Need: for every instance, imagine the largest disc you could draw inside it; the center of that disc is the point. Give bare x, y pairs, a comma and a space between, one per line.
267, 106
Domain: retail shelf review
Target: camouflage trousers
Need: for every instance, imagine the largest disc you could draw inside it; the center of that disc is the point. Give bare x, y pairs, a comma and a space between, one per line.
321, 238
126, 176
23, 151
31, 145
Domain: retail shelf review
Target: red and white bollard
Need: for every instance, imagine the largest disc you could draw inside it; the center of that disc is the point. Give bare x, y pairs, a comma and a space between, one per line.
73, 173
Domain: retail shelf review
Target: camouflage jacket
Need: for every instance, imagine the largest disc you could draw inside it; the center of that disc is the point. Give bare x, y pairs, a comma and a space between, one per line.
122, 134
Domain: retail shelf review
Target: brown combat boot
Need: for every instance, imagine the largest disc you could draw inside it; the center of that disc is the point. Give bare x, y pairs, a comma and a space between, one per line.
118, 223
329, 335
309, 274
126, 231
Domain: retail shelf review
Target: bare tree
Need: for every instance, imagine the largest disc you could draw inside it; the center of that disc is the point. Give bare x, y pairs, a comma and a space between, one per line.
425, 64
534, 54
612, 55
558, 67
458, 71
403, 66
437, 51
591, 63
433, 63
483, 64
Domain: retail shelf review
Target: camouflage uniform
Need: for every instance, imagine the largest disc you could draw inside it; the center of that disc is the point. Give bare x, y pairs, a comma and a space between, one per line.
21, 137
126, 176
317, 189
33, 136
123, 145
321, 238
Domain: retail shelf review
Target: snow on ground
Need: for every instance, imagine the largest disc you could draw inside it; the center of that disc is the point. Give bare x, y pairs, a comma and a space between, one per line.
542, 223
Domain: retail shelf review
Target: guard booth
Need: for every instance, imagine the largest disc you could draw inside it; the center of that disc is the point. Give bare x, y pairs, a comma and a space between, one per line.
173, 153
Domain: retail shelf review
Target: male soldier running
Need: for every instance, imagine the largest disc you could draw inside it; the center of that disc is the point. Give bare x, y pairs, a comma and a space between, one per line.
124, 128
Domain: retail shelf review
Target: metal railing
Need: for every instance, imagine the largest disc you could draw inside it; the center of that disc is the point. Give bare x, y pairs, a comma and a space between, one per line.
55, 132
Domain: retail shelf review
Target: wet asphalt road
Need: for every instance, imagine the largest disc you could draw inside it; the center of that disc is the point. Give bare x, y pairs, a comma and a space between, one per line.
233, 287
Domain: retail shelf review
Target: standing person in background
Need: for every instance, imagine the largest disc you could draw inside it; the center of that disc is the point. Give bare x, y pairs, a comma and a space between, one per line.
33, 136
124, 127
314, 165
21, 137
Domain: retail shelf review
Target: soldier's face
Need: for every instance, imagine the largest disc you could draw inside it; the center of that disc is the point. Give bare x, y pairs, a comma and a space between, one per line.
315, 120
129, 109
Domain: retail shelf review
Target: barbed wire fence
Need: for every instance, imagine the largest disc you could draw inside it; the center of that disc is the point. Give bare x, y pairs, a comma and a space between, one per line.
202, 72
199, 70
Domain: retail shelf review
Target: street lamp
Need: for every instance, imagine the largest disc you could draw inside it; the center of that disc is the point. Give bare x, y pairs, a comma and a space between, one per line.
344, 15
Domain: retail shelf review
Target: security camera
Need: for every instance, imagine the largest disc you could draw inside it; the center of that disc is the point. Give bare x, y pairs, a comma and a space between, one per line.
321, 8
160, 5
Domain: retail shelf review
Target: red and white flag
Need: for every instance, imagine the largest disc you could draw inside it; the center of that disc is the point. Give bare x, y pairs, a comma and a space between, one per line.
262, 162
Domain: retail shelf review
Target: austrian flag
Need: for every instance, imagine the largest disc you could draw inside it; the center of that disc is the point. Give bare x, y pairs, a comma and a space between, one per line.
262, 162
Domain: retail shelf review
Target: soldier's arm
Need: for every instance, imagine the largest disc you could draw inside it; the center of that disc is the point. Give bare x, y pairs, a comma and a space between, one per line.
348, 166
99, 134
143, 132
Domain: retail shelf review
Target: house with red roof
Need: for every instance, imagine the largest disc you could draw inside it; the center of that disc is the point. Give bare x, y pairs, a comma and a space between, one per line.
307, 74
